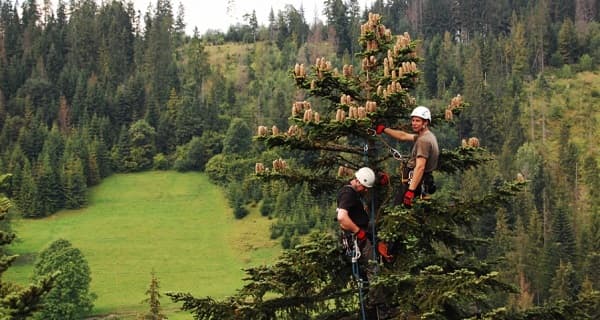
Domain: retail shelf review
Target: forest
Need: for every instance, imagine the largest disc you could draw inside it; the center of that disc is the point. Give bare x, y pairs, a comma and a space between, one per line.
88, 90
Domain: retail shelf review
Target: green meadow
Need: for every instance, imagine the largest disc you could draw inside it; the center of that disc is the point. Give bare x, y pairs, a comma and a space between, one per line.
178, 225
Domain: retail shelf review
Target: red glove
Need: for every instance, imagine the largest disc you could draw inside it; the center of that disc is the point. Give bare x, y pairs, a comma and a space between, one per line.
379, 128
384, 179
408, 198
361, 235
382, 248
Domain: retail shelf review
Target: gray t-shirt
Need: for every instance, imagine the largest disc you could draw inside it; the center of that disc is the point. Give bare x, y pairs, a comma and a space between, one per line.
425, 146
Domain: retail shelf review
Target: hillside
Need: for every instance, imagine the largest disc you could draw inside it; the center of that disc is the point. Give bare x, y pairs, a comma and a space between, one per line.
571, 100
561, 118
176, 224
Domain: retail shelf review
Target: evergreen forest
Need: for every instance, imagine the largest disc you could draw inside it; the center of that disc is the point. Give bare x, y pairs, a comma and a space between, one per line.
92, 89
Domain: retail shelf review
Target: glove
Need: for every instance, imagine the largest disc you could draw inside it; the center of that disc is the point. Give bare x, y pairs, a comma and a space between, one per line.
384, 179
379, 128
361, 235
382, 248
408, 198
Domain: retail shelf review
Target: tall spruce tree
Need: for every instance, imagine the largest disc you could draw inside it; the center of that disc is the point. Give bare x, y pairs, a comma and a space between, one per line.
27, 195
153, 300
115, 43
49, 186
75, 187
567, 42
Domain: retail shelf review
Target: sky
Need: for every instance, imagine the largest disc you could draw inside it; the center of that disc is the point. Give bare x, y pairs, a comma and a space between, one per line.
215, 14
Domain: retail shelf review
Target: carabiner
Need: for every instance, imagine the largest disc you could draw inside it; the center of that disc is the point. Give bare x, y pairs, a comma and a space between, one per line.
396, 154
357, 253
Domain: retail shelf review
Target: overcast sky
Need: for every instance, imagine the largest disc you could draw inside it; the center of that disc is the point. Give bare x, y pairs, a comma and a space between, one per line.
214, 14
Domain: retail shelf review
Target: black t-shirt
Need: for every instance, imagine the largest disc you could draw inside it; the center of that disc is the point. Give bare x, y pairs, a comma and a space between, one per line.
349, 199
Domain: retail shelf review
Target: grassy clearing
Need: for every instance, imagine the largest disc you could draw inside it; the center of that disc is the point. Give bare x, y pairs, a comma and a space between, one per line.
178, 225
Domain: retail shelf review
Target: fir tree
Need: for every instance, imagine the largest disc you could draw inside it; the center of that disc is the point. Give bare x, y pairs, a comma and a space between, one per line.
75, 188
49, 187
153, 300
238, 138
565, 286
27, 195
567, 41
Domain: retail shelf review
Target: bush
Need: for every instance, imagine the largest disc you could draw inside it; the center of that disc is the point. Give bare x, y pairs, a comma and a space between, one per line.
240, 212
565, 72
557, 112
267, 206
556, 60
160, 162
586, 63
190, 156
276, 231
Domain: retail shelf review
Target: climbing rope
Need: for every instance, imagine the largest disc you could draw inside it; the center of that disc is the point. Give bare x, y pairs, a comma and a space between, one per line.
355, 253
372, 209
356, 273
394, 152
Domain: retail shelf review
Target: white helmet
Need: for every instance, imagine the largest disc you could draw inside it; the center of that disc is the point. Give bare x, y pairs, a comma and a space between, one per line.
421, 112
365, 176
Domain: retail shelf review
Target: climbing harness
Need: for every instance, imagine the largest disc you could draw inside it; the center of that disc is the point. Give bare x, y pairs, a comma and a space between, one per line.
356, 254
427, 185
352, 250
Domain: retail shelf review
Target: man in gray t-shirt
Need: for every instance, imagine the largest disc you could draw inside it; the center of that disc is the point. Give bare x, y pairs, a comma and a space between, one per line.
424, 155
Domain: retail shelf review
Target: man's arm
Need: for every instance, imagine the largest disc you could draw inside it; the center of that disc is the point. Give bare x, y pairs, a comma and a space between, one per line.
399, 134
418, 172
345, 222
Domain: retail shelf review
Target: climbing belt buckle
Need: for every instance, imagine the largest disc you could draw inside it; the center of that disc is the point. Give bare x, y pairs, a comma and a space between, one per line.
346, 245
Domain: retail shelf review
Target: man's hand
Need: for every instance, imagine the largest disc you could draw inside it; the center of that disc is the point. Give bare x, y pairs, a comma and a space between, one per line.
409, 195
384, 179
379, 128
361, 235
382, 248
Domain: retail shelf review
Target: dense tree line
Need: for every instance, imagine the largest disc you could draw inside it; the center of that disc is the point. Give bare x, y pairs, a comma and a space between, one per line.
87, 90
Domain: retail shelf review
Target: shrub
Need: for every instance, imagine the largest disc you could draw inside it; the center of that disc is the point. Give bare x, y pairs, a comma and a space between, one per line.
565, 72
267, 206
160, 162
240, 212
586, 63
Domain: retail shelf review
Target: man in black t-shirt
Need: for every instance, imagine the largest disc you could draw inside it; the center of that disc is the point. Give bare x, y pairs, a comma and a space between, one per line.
351, 213
354, 218
354, 222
